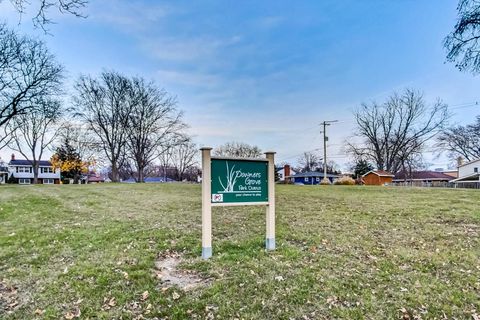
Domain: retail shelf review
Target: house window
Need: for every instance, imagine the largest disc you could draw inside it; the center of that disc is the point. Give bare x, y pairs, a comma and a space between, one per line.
318, 179
23, 181
47, 170
475, 170
48, 181
24, 169
306, 179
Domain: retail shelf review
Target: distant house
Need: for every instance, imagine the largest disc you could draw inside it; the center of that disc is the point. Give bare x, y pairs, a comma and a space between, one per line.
21, 172
311, 177
3, 173
93, 178
468, 175
422, 179
285, 172
451, 173
377, 178
158, 180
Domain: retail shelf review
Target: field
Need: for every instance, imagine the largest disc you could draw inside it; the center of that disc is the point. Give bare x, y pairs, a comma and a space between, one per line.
78, 251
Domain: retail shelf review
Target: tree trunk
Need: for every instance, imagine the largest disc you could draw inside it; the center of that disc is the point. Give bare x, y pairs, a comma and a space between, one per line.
115, 175
35, 172
141, 176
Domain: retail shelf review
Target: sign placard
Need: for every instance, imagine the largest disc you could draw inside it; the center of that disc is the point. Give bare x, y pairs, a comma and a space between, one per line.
235, 182
239, 180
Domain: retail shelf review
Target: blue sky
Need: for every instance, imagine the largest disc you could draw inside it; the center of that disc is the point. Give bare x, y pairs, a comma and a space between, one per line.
268, 72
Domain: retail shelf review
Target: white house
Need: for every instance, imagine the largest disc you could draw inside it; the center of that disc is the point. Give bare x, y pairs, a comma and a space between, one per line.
469, 174
22, 172
285, 172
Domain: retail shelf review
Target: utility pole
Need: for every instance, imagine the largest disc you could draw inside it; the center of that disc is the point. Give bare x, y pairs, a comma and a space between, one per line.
325, 139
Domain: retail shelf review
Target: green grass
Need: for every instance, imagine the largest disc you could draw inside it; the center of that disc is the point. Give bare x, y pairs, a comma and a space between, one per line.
342, 252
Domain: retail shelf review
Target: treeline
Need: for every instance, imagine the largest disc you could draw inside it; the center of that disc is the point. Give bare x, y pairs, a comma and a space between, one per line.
128, 124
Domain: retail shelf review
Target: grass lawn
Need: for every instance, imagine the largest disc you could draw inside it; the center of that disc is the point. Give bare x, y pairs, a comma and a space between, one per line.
89, 251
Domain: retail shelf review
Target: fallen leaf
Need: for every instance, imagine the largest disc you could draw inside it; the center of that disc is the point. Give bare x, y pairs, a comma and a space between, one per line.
39, 312
112, 302
175, 295
279, 278
145, 295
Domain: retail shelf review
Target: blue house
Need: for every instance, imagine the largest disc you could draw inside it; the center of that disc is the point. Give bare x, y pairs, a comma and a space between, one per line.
311, 177
158, 180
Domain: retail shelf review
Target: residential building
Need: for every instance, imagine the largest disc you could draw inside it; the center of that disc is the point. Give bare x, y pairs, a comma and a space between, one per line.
3, 173
311, 178
93, 178
158, 180
284, 172
468, 175
422, 179
21, 172
377, 178
451, 173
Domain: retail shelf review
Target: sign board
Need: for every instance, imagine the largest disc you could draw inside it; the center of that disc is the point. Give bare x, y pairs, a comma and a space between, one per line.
234, 182
239, 180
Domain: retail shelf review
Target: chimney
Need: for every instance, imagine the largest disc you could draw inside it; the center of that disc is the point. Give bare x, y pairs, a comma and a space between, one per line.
13, 156
459, 161
286, 169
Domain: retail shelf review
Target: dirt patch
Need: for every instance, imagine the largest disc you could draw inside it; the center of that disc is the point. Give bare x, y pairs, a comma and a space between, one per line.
9, 300
167, 270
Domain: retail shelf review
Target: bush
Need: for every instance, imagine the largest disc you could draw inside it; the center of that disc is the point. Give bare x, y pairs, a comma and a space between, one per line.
325, 182
345, 181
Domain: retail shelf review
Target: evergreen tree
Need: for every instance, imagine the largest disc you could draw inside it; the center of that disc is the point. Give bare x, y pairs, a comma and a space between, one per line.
361, 167
67, 158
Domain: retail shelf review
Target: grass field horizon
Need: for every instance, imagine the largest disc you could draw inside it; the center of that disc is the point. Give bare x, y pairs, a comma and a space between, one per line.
89, 251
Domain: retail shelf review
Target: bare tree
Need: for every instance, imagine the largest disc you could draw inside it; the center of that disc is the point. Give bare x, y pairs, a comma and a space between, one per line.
166, 160
35, 131
462, 44
396, 130
104, 104
28, 73
154, 123
238, 149
462, 141
184, 158
81, 139
309, 161
41, 9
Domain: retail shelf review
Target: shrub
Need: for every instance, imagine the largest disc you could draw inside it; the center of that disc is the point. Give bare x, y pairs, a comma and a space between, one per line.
345, 181
325, 182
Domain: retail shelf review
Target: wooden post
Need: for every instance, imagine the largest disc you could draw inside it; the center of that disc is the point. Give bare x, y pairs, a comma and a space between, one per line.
206, 203
270, 237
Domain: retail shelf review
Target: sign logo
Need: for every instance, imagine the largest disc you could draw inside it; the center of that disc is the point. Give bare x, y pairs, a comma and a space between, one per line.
217, 197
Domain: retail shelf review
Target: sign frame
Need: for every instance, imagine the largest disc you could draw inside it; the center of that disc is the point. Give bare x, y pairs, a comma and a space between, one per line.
207, 203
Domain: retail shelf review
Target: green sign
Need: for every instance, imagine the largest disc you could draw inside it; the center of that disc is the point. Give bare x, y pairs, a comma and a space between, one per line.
239, 180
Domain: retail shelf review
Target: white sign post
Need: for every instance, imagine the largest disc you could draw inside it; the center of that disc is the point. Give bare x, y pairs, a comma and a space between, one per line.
206, 203
270, 239
238, 181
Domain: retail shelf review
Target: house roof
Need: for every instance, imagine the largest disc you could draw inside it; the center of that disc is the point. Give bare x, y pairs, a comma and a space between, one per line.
474, 177
380, 173
95, 178
312, 174
42, 163
423, 175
